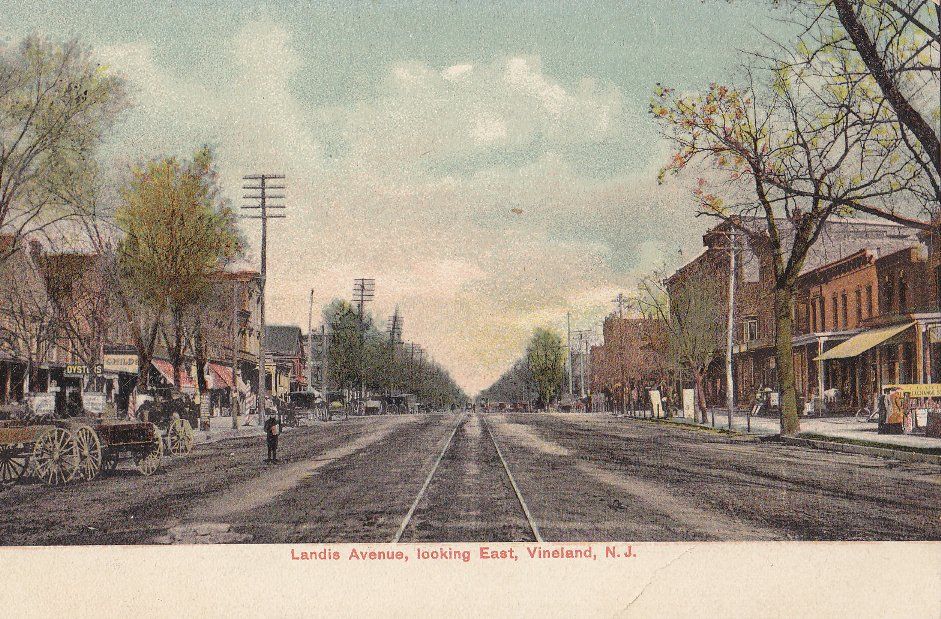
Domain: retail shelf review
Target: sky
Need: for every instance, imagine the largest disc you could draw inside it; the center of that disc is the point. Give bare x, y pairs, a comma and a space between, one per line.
491, 164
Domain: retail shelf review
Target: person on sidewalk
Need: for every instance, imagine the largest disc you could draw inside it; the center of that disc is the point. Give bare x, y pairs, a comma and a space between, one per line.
272, 430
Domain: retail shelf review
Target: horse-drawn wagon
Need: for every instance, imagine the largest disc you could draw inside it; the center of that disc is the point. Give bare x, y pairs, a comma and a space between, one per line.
57, 451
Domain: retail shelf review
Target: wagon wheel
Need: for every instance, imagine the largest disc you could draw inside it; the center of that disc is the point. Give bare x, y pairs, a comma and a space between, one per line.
89, 452
13, 462
180, 437
148, 458
55, 457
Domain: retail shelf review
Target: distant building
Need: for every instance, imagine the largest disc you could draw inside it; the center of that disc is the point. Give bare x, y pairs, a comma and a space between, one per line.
286, 358
630, 360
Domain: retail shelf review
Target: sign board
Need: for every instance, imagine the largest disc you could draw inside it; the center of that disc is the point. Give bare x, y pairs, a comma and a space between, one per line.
775, 399
689, 403
930, 390
126, 363
42, 403
80, 369
93, 402
656, 405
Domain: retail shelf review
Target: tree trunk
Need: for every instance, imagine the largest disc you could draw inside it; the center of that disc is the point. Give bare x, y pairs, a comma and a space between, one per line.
176, 350
784, 355
700, 396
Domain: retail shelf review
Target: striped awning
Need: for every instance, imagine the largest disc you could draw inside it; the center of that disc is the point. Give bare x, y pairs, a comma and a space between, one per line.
858, 344
166, 370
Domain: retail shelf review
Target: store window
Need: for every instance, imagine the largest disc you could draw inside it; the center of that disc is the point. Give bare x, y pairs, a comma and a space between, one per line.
859, 306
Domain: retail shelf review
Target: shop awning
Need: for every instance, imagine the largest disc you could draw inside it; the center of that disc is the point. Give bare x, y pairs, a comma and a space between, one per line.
858, 344
221, 376
166, 370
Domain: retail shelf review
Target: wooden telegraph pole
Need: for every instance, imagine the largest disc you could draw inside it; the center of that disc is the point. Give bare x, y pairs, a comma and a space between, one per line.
262, 184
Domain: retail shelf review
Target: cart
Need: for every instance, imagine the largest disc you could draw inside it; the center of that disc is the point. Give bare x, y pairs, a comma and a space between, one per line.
57, 451
175, 417
47, 451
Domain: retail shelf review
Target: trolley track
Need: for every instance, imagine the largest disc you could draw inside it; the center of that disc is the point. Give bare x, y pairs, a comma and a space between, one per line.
469, 494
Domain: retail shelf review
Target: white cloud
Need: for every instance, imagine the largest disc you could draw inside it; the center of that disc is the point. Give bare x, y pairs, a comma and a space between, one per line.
418, 189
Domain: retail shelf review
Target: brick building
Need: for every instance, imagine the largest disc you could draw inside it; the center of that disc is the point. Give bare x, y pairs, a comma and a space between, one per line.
840, 244
629, 360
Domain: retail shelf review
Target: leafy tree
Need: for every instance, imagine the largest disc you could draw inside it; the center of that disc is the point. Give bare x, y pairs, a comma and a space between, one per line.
178, 232
545, 357
514, 385
55, 105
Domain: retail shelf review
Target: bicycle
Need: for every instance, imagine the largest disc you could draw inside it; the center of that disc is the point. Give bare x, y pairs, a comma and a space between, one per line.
865, 415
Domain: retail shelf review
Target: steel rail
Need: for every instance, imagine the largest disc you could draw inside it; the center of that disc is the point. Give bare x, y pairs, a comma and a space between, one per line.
421, 493
516, 489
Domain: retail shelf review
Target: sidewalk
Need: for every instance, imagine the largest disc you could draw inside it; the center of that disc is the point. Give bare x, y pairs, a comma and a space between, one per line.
220, 428
846, 429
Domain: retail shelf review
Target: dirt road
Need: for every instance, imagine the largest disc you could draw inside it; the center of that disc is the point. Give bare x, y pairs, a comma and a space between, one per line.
583, 477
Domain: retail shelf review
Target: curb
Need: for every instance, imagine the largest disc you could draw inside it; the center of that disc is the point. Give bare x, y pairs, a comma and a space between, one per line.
724, 432
867, 450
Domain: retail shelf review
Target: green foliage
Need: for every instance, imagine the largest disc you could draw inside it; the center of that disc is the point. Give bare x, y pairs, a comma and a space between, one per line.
178, 231
359, 354
55, 106
514, 385
545, 357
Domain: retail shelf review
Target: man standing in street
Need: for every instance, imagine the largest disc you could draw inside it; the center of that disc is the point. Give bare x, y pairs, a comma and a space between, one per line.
272, 430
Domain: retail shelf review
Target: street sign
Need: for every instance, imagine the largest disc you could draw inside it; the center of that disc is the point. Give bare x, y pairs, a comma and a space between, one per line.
121, 362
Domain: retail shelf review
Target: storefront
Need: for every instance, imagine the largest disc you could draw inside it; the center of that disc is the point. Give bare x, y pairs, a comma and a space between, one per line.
900, 353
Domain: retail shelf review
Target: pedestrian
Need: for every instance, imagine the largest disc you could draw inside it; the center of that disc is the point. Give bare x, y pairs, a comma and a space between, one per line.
272, 430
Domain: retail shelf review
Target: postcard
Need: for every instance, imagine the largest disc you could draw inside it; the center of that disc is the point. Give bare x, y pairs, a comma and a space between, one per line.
414, 307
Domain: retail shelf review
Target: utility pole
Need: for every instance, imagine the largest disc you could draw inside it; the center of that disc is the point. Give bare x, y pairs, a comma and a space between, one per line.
582, 335
620, 300
395, 338
262, 184
364, 290
234, 394
568, 322
325, 355
310, 343
729, 386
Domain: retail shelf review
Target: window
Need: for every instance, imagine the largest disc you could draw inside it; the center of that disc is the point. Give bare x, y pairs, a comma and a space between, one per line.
813, 315
845, 310
937, 284
888, 293
750, 330
869, 306
823, 314
859, 306
836, 312
903, 289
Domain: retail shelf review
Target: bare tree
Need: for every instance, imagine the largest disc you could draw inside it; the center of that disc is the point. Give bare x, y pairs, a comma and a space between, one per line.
691, 309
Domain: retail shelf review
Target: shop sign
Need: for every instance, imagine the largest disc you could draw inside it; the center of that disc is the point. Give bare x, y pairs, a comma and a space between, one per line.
124, 362
79, 369
929, 390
